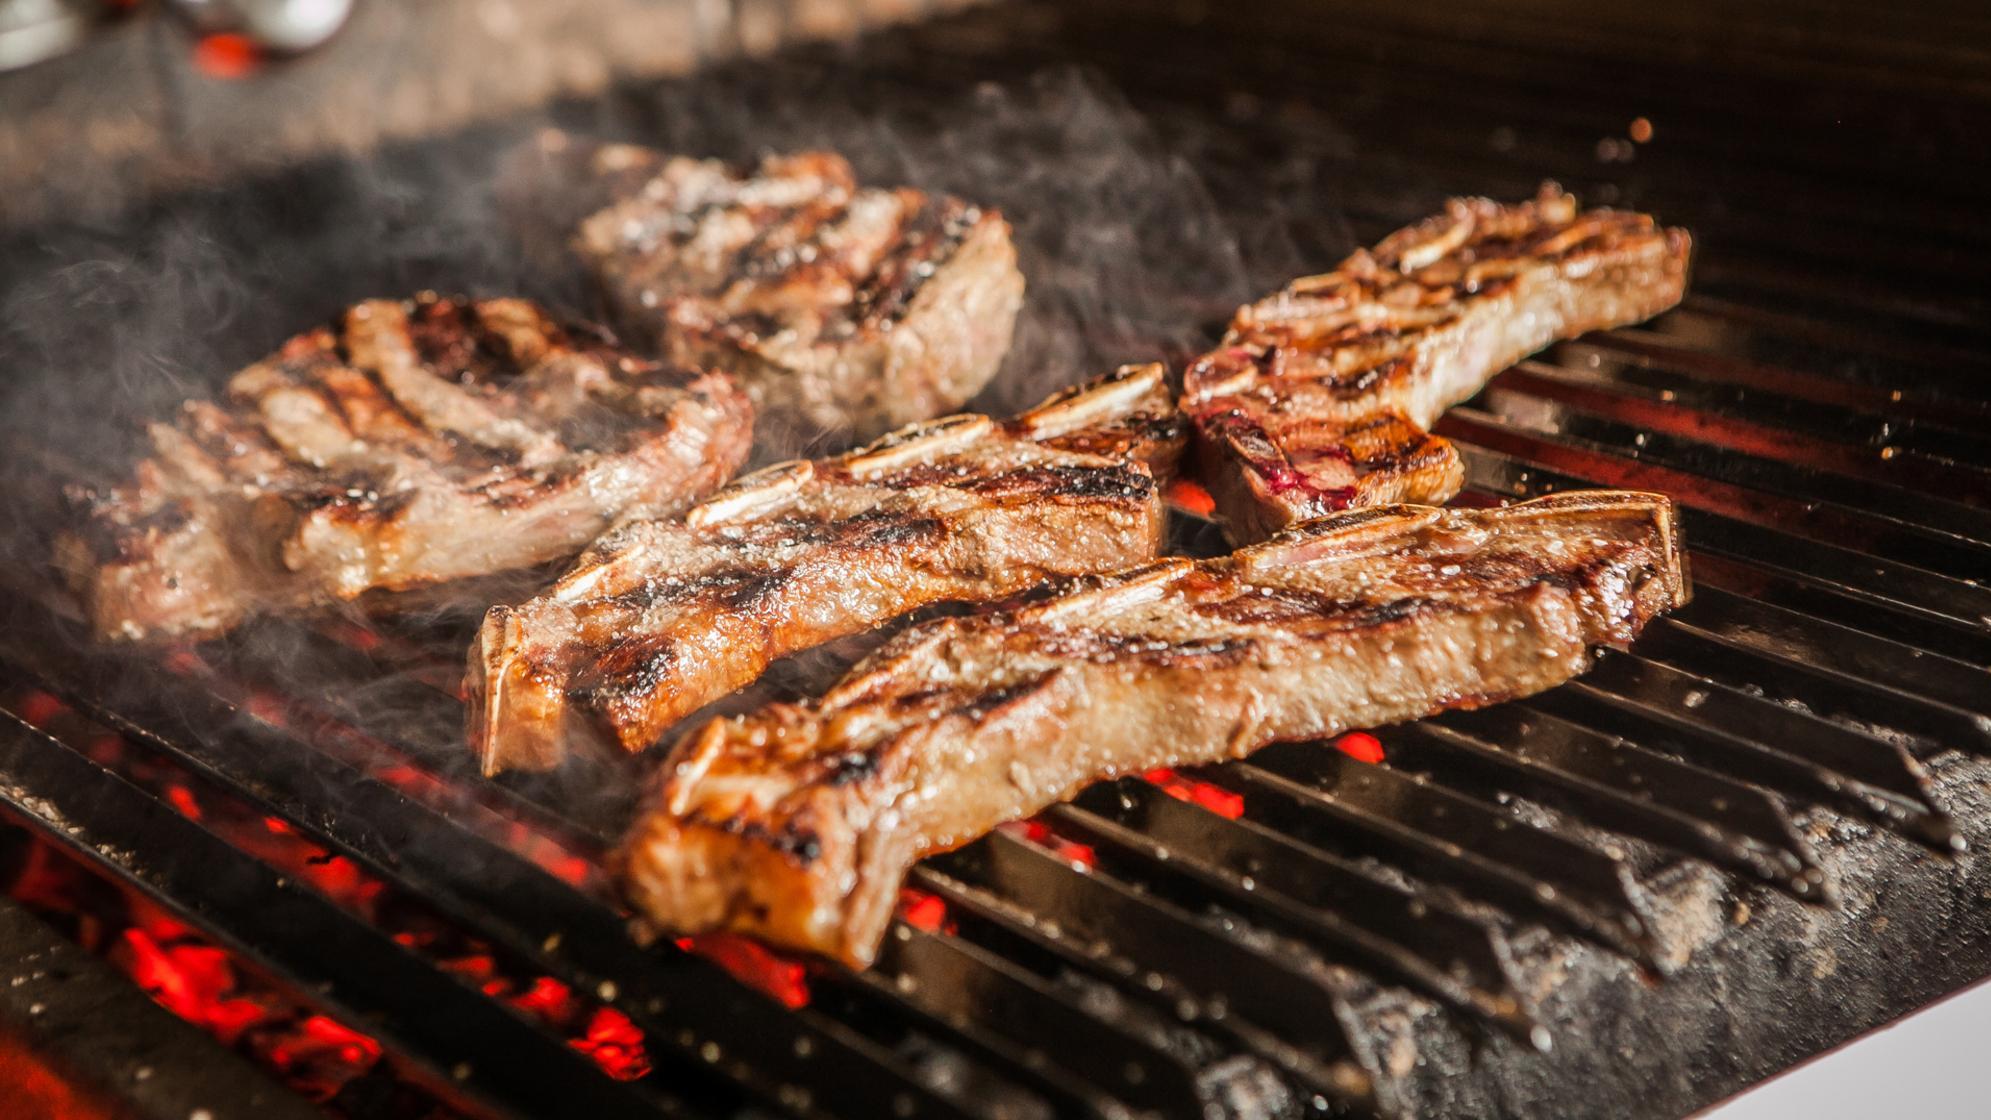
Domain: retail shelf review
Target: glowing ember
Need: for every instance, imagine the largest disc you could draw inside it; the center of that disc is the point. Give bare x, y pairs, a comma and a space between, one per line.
321, 1041
922, 910
1361, 746
1216, 799
227, 56
1039, 833
39, 707
615, 1044
198, 982
755, 965
574, 870
547, 998
30, 1086
1190, 497
201, 983
182, 798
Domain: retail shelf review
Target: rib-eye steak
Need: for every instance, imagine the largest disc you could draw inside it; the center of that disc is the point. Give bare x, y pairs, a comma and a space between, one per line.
839, 307
1318, 398
408, 444
663, 616
796, 823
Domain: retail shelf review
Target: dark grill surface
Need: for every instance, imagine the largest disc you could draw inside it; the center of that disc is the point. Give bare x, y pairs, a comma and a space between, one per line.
1714, 855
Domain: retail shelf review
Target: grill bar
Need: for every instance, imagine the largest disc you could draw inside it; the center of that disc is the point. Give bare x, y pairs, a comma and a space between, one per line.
1211, 965
1640, 794
1743, 456
1083, 964
1770, 745
1843, 571
1531, 873
1445, 939
683, 1005
1845, 650
464, 1043
1190, 881
1869, 413
1928, 728
1918, 460
1935, 561
874, 1005
1795, 592
968, 984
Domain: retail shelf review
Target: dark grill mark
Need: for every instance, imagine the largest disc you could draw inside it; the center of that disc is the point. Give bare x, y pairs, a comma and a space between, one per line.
625, 672
983, 704
900, 531
1081, 483
754, 261
1106, 647
755, 590
926, 240
445, 338
850, 766
1290, 604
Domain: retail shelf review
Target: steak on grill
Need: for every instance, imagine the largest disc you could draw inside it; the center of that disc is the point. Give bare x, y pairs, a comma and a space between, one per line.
663, 616
796, 823
1318, 398
839, 307
411, 443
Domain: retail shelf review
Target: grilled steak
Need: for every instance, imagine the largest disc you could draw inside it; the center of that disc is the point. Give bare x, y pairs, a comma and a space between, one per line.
796, 823
839, 307
663, 616
409, 444
1318, 398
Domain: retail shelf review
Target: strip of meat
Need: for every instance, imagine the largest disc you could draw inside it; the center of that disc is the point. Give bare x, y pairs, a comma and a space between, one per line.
1319, 397
412, 444
664, 616
839, 307
796, 823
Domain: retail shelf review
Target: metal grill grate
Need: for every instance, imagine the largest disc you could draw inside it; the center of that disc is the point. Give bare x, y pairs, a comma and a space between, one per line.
1235, 942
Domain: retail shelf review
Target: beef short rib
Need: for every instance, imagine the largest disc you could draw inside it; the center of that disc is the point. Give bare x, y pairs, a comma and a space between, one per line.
797, 823
1319, 397
409, 444
663, 616
840, 308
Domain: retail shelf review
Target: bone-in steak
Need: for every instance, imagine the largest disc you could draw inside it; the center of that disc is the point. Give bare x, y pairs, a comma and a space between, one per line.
796, 823
1318, 398
412, 443
840, 307
663, 616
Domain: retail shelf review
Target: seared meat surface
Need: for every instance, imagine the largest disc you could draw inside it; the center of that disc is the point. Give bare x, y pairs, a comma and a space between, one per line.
796, 823
663, 616
840, 307
1318, 398
411, 443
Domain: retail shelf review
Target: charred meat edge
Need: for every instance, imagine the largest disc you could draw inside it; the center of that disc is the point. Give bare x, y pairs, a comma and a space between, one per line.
661, 617
797, 823
1319, 397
